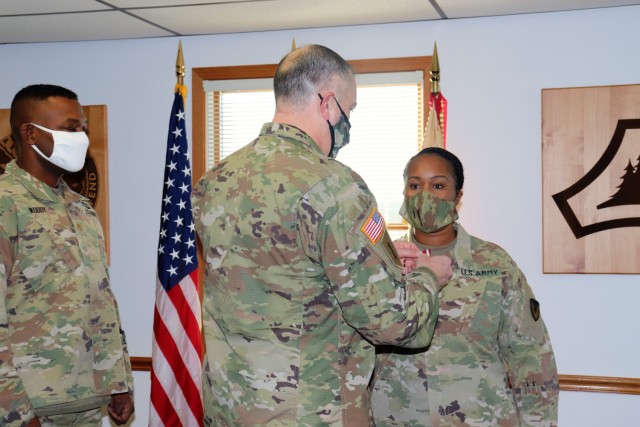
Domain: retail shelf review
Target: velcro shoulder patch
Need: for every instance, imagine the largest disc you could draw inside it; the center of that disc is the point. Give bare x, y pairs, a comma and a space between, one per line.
374, 226
534, 305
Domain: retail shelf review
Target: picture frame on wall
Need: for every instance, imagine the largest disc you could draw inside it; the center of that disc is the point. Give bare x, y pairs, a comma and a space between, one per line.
591, 179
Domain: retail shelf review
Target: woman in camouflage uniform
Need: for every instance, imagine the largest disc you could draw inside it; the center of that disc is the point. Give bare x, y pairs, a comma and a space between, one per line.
490, 362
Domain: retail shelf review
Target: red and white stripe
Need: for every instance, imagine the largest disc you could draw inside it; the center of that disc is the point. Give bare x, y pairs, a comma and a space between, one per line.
176, 383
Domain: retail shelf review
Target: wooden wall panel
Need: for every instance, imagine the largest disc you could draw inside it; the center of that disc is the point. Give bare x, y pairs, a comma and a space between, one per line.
591, 179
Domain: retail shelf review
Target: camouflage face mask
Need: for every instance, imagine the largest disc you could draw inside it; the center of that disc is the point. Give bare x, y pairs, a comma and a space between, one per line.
339, 135
428, 213
339, 132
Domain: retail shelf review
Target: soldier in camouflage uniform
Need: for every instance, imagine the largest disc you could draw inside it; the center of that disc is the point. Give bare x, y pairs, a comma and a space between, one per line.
490, 362
62, 351
301, 276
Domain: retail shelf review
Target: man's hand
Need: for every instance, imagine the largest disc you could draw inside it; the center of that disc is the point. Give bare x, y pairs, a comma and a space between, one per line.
441, 265
408, 253
412, 258
120, 408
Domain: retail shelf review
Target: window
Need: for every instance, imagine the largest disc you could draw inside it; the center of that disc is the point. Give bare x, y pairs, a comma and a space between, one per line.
235, 113
231, 103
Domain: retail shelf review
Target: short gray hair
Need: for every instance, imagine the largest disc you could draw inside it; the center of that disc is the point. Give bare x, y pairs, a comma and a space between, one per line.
304, 71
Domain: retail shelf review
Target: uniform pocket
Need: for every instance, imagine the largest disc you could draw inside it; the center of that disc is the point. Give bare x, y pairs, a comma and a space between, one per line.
470, 301
482, 311
46, 251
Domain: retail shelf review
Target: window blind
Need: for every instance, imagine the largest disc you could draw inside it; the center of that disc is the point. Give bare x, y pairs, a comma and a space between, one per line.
386, 127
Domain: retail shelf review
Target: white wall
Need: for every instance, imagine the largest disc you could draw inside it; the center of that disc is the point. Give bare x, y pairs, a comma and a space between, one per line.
493, 70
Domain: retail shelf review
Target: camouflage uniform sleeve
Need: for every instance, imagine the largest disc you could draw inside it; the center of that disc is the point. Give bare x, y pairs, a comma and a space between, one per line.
526, 347
364, 273
15, 405
127, 363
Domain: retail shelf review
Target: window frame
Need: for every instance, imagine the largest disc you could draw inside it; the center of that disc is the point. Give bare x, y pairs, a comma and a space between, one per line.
360, 66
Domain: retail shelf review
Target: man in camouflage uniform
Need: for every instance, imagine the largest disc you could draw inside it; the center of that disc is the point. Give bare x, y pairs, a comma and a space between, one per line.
490, 362
62, 352
301, 277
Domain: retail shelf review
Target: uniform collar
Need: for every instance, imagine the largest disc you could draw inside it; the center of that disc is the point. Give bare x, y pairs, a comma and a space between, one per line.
290, 132
40, 190
461, 245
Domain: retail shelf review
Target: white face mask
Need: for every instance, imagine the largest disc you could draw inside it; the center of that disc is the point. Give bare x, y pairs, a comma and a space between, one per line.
69, 149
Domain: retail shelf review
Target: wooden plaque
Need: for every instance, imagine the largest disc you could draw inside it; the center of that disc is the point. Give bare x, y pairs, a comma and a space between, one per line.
591, 179
91, 181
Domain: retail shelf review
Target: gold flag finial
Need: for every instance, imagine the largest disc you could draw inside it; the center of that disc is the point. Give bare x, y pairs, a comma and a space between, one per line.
180, 87
293, 44
435, 133
434, 72
180, 65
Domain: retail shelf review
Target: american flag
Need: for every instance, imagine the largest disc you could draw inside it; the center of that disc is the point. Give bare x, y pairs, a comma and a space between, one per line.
176, 390
373, 227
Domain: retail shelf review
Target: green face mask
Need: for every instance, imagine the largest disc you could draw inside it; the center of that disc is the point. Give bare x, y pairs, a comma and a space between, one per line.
428, 213
339, 132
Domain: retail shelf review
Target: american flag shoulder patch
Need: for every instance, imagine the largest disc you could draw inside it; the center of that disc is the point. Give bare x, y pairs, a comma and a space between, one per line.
373, 227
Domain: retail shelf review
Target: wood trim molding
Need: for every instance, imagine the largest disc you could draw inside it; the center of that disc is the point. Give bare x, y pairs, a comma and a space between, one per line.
619, 385
585, 383
140, 363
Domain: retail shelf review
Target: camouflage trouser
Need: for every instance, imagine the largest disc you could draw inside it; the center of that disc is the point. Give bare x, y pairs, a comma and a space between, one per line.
92, 418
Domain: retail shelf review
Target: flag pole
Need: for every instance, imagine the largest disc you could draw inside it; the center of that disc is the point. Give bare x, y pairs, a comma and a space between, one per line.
180, 65
180, 87
435, 134
434, 71
176, 360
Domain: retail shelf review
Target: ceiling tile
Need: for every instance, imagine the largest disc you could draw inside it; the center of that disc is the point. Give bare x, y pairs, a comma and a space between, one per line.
190, 17
267, 15
82, 26
21, 7
163, 3
474, 8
